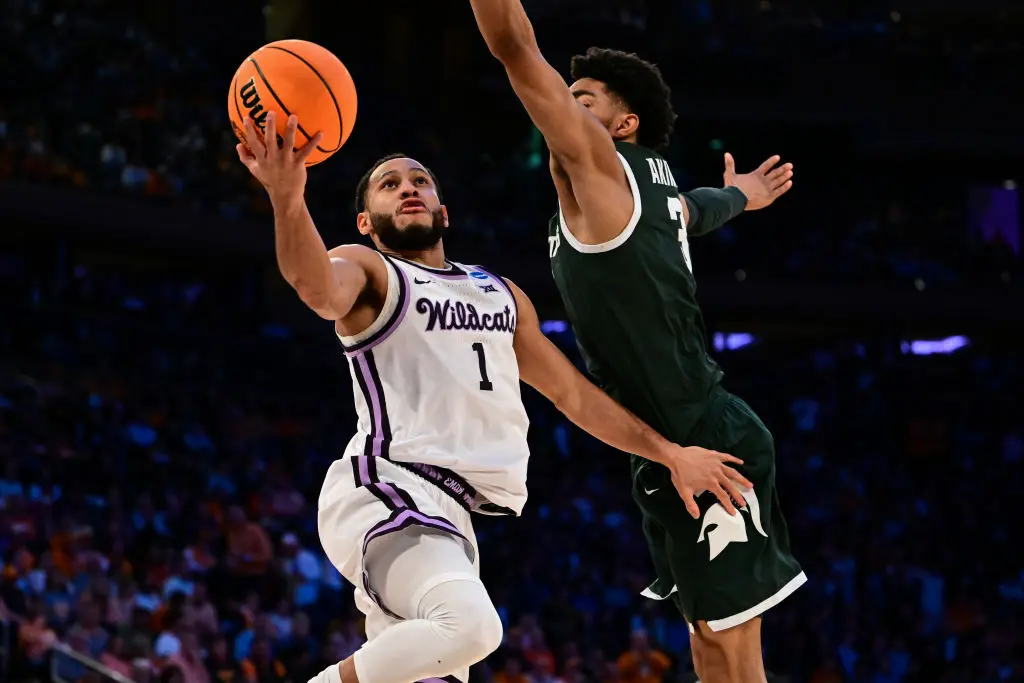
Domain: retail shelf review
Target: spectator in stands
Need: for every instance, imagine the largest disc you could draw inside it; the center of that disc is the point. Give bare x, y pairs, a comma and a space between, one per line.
249, 552
87, 631
114, 657
190, 659
511, 672
261, 666
641, 663
221, 666
202, 611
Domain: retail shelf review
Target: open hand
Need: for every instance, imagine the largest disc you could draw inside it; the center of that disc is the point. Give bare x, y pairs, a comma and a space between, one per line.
281, 169
695, 470
764, 185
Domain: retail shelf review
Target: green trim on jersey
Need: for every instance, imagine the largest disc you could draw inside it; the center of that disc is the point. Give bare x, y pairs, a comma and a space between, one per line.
632, 303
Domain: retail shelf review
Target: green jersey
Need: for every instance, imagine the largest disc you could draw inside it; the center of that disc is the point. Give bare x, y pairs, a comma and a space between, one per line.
633, 306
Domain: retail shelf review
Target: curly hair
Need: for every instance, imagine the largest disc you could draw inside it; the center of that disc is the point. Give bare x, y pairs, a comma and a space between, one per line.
364, 182
640, 86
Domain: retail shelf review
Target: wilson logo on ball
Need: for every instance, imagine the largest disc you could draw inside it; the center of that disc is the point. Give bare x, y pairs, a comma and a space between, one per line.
251, 101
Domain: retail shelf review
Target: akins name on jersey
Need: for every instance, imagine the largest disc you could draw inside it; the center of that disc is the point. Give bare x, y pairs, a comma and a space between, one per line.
436, 380
661, 174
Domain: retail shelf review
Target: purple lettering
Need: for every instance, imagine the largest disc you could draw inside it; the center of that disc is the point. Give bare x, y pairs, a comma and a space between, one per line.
443, 315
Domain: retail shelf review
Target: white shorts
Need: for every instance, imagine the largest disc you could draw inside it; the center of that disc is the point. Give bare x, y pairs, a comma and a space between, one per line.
366, 498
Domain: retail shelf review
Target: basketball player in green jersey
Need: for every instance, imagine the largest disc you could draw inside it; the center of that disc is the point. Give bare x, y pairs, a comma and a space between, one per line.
620, 259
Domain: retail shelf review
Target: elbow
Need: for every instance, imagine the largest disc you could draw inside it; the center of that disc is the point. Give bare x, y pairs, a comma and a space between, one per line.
316, 299
567, 400
506, 50
513, 44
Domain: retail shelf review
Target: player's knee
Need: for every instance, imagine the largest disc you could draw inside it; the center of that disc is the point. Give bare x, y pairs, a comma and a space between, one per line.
486, 631
468, 620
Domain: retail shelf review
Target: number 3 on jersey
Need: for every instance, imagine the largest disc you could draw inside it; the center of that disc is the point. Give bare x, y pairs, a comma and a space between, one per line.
485, 383
675, 210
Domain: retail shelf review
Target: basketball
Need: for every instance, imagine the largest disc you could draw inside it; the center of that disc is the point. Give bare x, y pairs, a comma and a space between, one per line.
295, 77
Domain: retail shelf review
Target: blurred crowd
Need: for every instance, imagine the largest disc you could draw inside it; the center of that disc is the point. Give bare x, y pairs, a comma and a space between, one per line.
116, 98
157, 503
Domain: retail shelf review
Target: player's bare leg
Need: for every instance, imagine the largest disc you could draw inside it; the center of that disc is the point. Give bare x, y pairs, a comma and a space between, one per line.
729, 656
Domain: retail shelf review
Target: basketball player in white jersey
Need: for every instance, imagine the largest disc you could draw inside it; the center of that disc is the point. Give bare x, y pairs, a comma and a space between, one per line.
436, 350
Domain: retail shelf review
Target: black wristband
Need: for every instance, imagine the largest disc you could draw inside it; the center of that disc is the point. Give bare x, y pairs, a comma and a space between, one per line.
715, 207
737, 201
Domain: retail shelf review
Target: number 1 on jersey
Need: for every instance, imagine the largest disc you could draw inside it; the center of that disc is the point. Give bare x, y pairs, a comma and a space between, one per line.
485, 383
675, 210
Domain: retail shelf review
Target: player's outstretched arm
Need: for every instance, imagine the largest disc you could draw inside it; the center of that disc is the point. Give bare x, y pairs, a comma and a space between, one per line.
546, 369
708, 208
330, 284
572, 134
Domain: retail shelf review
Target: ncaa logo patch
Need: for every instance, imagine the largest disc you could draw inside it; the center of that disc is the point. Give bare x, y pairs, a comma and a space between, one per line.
476, 274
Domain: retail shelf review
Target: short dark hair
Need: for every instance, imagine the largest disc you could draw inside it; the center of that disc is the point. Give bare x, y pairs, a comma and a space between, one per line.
639, 84
364, 182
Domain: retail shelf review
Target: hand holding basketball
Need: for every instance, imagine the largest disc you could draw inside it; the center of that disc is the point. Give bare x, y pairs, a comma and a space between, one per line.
280, 168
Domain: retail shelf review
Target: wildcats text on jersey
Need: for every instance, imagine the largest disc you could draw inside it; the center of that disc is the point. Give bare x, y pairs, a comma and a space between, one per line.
444, 315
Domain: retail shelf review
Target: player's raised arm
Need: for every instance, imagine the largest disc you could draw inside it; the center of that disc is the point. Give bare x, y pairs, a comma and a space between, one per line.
572, 134
546, 369
708, 208
330, 284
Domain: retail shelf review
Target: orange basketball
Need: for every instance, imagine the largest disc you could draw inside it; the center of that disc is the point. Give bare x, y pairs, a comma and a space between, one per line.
295, 77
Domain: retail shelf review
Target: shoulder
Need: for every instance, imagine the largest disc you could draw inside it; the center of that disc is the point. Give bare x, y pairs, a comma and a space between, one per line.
370, 260
357, 253
513, 288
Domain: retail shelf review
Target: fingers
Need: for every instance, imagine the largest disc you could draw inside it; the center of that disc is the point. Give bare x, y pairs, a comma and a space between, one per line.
783, 189
734, 490
728, 475
690, 502
725, 457
252, 138
724, 499
768, 164
686, 495
733, 474
256, 149
730, 164
245, 156
308, 148
270, 136
289, 133
780, 175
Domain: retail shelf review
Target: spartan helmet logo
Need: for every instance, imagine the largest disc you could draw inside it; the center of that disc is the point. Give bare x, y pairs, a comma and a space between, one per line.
726, 528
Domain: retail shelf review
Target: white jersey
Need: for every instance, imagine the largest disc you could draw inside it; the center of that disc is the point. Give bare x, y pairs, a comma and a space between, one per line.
436, 382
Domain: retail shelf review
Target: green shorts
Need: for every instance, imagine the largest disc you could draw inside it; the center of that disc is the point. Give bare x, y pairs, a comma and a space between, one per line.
720, 569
